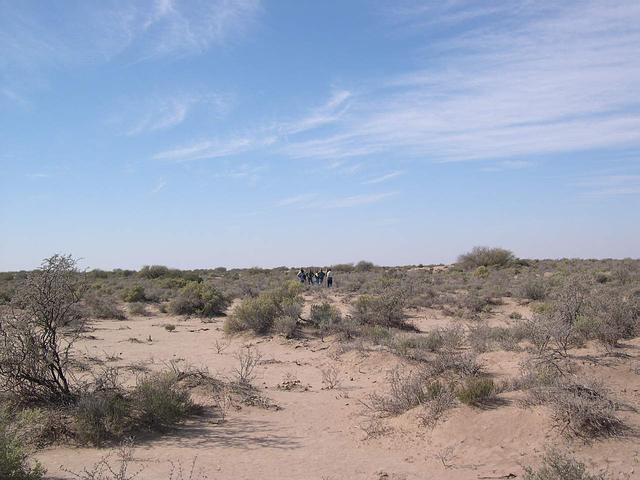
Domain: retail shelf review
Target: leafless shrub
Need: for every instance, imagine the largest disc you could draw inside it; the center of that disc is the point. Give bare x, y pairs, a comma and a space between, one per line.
330, 377
460, 364
248, 359
106, 469
375, 428
582, 409
407, 389
35, 353
221, 346
442, 399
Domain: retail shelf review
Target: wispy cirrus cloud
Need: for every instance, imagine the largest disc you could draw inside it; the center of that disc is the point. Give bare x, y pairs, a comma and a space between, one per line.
160, 112
610, 185
272, 136
98, 32
314, 201
531, 80
384, 178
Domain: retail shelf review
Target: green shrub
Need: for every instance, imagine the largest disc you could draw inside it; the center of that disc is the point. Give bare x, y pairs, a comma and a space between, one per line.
138, 308
364, 266
260, 313
199, 299
14, 464
485, 257
153, 271
160, 401
556, 466
476, 390
135, 293
101, 416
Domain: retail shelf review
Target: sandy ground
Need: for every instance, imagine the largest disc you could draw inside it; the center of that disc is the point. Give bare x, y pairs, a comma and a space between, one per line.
320, 433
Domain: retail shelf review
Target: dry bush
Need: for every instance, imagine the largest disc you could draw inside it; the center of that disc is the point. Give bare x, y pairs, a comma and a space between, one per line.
35, 353
138, 308
101, 416
485, 257
330, 377
248, 359
104, 307
407, 389
441, 399
534, 289
582, 409
557, 466
459, 364
199, 299
160, 401
613, 319
121, 468
386, 310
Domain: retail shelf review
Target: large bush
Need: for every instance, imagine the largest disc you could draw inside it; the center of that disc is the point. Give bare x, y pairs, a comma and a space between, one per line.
199, 299
34, 350
259, 313
386, 310
485, 257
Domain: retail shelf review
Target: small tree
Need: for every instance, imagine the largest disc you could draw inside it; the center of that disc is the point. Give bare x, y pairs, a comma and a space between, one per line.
34, 353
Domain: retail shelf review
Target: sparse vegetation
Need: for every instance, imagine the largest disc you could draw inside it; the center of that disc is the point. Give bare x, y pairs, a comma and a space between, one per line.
558, 466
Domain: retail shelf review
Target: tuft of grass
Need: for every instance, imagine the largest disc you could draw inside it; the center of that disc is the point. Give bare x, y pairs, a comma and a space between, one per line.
476, 390
558, 466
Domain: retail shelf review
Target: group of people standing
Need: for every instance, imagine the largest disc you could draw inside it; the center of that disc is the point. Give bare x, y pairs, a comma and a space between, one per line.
316, 278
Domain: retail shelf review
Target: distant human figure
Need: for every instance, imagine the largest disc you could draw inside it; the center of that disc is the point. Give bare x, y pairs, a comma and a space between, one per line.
301, 275
329, 278
320, 277
310, 277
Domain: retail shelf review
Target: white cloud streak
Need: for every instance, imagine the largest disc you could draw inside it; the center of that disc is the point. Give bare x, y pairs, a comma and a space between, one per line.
557, 80
383, 178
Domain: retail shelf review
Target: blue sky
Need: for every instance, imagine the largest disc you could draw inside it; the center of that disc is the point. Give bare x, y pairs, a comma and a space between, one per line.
246, 132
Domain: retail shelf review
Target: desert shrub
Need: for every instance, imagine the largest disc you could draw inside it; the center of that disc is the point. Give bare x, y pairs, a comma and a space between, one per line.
286, 325
534, 289
34, 358
441, 398
476, 390
259, 313
160, 401
613, 319
135, 293
101, 416
481, 272
364, 266
138, 308
557, 466
199, 299
583, 409
460, 364
248, 359
154, 271
407, 389
104, 307
485, 257
477, 303
386, 310
14, 463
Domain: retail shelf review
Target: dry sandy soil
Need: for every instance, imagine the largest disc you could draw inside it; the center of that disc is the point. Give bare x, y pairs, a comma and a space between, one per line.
320, 433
